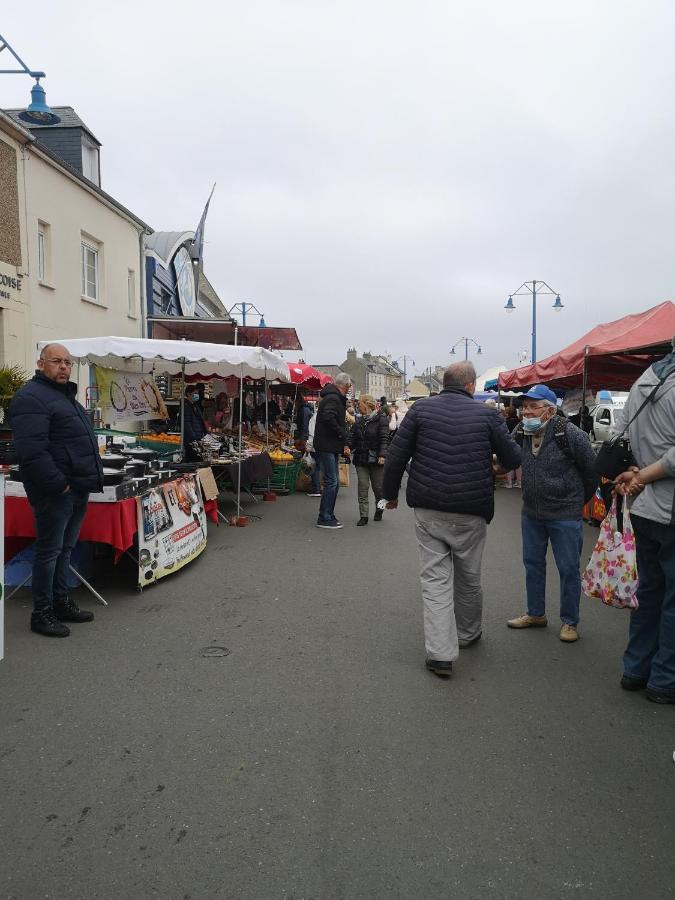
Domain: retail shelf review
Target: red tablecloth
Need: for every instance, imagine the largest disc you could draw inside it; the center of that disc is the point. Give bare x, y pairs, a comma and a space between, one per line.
114, 524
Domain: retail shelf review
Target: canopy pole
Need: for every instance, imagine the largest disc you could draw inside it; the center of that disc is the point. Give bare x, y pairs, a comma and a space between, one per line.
583, 386
182, 412
241, 416
267, 417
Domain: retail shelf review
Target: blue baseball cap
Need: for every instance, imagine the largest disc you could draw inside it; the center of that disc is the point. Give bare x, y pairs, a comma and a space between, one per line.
541, 392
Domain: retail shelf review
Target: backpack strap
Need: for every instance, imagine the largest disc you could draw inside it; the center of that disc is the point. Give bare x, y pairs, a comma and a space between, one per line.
560, 437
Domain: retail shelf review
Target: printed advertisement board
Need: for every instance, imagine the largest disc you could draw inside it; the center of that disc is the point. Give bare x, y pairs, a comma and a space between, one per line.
124, 396
2, 569
171, 528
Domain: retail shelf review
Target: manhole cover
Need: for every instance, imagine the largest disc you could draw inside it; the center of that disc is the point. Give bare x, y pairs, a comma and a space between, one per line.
215, 651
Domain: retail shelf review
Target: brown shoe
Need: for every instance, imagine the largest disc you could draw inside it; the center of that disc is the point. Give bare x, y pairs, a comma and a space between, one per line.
527, 621
568, 633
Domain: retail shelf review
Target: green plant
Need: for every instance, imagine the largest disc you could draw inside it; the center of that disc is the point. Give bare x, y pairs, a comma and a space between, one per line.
11, 379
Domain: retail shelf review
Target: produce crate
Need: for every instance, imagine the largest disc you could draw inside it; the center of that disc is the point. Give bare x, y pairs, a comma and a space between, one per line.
165, 449
283, 480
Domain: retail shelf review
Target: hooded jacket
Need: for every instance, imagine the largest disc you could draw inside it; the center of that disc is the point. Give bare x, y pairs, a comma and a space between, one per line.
54, 440
330, 435
450, 439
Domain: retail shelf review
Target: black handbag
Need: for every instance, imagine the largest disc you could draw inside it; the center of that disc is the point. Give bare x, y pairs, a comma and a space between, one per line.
615, 455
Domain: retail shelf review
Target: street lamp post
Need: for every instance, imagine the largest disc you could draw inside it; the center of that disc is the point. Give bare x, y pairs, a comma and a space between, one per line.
534, 287
466, 341
406, 360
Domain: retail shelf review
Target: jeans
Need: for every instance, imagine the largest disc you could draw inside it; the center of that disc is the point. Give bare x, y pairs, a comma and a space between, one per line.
57, 527
367, 476
566, 537
327, 463
650, 653
451, 553
316, 476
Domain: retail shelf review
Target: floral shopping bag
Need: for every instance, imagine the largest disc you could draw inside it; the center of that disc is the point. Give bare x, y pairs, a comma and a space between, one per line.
611, 573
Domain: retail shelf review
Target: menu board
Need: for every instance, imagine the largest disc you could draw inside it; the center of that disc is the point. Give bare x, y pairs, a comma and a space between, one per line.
125, 396
171, 528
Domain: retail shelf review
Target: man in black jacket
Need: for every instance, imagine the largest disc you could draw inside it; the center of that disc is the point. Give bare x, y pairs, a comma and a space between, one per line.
194, 426
450, 440
60, 464
330, 440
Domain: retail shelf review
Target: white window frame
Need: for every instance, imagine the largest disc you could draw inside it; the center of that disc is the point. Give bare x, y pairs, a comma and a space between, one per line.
131, 294
41, 254
86, 245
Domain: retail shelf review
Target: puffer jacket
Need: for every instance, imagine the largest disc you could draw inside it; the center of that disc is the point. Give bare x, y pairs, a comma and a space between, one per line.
369, 439
450, 440
330, 434
54, 440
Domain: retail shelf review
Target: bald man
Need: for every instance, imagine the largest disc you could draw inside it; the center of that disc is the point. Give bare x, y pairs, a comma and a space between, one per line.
59, 464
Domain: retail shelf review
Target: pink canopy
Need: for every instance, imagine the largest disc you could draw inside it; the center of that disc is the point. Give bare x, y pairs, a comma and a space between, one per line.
307, 376
612, 355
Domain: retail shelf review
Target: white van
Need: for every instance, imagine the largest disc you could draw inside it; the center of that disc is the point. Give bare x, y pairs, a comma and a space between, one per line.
604, 417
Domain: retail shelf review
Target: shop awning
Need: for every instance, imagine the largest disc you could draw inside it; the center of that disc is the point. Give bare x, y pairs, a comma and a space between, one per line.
222, 331
174, 357
308, 377
614, 354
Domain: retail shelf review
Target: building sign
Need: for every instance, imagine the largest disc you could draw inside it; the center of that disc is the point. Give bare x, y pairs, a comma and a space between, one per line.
10, 282
185, 281
126, 396
171, 528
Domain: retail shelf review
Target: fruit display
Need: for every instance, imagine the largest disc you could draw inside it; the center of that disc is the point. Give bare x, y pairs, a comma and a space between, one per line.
279, 455
163, 438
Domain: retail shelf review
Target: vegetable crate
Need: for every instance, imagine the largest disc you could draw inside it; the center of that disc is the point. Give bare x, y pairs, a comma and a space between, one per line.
283, 479
165, 449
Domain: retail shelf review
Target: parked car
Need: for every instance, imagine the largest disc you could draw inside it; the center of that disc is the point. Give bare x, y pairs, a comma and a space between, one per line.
604, 417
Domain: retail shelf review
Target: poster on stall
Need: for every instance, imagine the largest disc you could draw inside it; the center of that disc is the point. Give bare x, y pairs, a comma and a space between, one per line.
171, 528
2, 569
126, 396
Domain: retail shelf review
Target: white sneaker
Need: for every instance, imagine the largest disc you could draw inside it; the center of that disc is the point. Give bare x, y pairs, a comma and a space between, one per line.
313, 495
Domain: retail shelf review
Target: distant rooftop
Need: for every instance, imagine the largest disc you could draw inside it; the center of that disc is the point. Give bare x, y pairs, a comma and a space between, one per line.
69, 119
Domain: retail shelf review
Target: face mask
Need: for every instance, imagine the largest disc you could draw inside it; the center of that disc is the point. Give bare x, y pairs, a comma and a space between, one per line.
195, 398
532, 425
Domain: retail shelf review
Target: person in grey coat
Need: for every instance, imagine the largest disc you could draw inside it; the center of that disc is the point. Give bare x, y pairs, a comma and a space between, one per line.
649, 660
558, 478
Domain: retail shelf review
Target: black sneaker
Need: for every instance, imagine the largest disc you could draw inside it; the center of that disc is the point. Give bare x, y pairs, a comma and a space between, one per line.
378, 515
43, 621
362, 521
439, 667
655, 697
68, 611
633, 684
332, 523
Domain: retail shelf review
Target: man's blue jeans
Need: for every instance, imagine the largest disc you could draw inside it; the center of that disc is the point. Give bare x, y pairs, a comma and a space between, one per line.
566, 537
327, 463
650, 654
316, 476
57, 526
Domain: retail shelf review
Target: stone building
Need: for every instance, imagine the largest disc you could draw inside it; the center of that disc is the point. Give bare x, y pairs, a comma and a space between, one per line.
372, 374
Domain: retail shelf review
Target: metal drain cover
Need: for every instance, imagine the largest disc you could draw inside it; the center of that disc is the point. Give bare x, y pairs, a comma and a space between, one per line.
215, 651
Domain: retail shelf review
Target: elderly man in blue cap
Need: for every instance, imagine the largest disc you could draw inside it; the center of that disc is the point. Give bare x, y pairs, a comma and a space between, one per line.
558, 478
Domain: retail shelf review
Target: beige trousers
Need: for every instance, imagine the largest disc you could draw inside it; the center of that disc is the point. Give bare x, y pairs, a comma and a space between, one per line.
451, 552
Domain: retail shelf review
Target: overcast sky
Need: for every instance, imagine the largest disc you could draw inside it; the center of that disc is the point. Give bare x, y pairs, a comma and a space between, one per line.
387, 173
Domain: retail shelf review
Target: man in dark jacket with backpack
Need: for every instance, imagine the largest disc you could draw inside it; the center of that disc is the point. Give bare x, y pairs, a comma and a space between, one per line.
330, 440
450, 440
59, 464
558, 478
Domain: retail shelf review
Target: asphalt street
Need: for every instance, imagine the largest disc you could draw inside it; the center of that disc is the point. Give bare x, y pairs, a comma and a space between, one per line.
261, 725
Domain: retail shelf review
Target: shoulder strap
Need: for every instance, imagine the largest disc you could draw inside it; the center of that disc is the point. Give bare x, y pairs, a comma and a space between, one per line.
651, 398
560, 437
517, 434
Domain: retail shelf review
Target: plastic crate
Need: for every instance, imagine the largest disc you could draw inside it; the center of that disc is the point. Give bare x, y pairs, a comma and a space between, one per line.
164, 449
283, 479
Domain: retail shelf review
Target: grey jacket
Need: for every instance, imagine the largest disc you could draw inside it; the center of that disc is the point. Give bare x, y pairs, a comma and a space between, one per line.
652, 438
556, 485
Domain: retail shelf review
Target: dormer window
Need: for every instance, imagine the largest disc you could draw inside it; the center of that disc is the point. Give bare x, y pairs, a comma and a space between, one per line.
90, 167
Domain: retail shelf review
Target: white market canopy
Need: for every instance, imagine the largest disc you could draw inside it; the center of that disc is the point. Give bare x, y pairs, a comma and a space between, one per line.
174, 357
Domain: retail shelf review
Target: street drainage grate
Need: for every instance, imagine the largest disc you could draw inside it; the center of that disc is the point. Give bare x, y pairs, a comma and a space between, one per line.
215, 651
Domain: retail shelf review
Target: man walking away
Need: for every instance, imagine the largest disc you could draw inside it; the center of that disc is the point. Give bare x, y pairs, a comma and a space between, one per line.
59, 464
330, 440
451, 440
649, 660
558, 479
